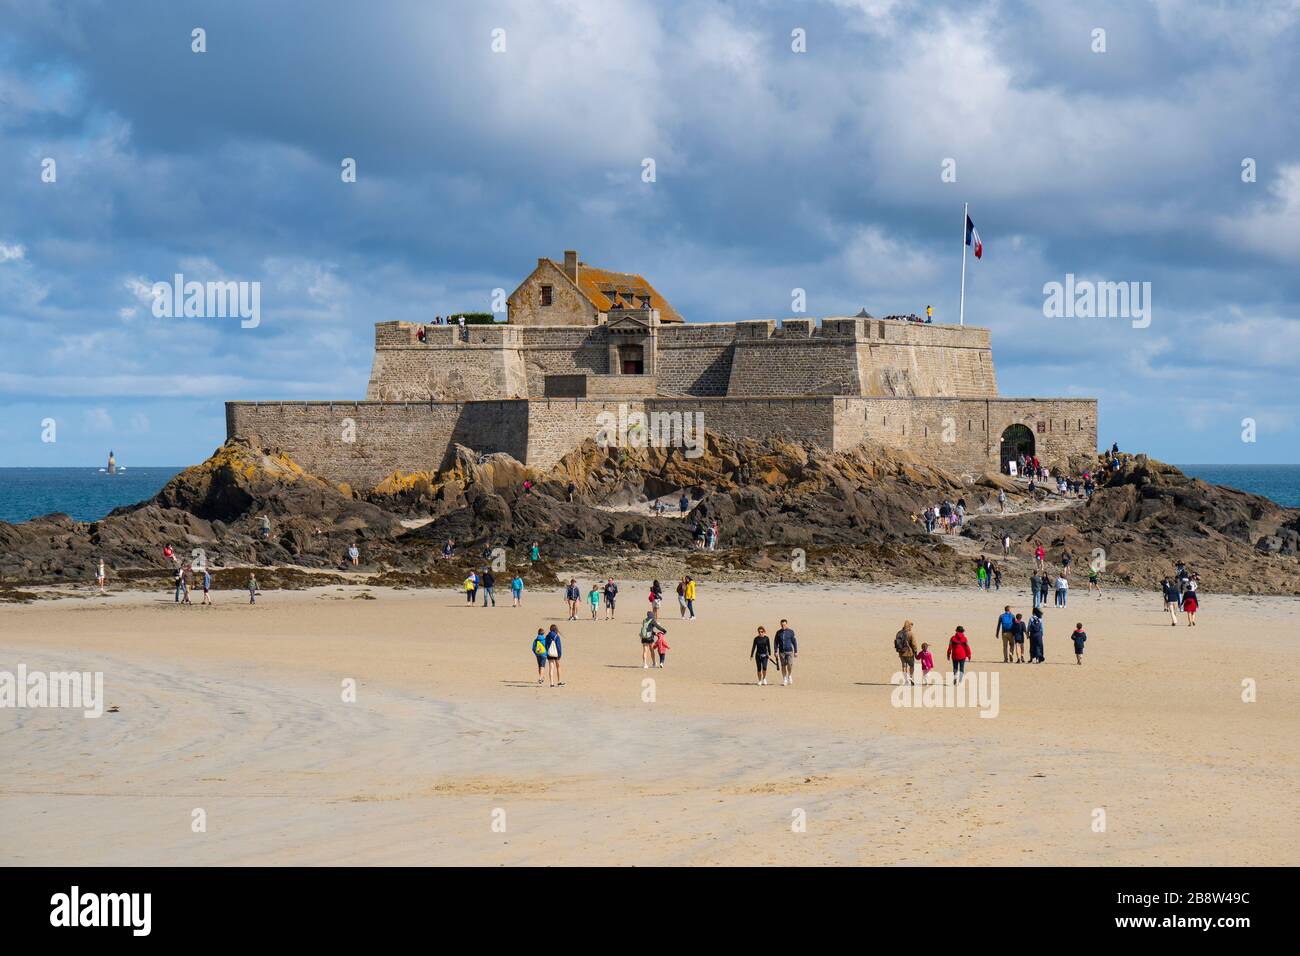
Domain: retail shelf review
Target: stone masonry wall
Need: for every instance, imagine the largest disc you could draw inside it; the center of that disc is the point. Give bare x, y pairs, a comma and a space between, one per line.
568, 305
558, 425
965, 435
695, 359
385, 436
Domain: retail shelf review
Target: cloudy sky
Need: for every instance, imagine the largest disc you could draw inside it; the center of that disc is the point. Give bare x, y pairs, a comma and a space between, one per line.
774, 170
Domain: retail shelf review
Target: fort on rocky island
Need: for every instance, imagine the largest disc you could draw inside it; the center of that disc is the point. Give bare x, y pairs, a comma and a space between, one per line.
581, 341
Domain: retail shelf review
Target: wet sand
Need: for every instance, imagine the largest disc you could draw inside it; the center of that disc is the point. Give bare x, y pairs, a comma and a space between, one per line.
452, 754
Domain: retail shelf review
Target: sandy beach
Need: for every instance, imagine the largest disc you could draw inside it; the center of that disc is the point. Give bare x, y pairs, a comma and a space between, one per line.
452, 754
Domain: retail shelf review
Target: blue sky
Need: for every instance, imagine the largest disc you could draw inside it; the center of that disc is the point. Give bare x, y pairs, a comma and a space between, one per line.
775, 170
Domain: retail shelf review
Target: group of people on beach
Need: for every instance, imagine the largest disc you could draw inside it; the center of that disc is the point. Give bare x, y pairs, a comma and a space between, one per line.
783, 645
706, 535
945, 517
1182, 593
1010, 628
484, 580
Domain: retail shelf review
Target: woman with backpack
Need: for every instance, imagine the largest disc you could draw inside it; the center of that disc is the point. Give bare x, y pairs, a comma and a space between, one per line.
1036, 636
553, 654
905, 648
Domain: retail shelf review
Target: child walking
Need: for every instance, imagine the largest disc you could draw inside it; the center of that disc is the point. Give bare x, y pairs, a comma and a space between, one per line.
927, 660
1079, 637
593, 598
661, 646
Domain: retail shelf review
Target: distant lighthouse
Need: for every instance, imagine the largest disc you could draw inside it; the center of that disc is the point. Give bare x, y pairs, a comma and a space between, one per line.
112, 463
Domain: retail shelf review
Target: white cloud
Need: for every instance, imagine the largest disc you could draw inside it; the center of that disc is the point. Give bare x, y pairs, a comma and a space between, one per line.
98, 420
1270, 227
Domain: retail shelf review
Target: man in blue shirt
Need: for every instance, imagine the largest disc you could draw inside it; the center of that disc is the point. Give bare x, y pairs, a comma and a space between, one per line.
1006, 620
787, 649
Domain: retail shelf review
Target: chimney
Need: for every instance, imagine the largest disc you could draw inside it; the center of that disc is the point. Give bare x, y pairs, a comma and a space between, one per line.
571, 264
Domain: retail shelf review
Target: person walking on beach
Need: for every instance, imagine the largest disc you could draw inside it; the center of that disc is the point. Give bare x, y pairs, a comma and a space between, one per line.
1094, 580
572, 595
1066, 558
1062, 589
207, 587
1044, 586
1079, 636
179, 580
905, 648
184, 577
1003, 629
539, 651
1039, 555
662, 647
489, 582
1190, 604
982, 576
1035, 629
1171, 600
517, 591
681, 598
656, 596
1018, 637
252, 589
689, 594
997, 577
100, 577
926, 657
471, 587
959, 653
611, 595
759, 652
650, 630
553, 654
593, 598
787, 649
1035, 586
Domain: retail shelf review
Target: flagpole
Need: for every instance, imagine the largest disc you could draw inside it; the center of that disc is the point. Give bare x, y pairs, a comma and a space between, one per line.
961, 307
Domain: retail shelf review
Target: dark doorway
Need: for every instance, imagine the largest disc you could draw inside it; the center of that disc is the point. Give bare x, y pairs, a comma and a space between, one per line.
631, 359
1017, 440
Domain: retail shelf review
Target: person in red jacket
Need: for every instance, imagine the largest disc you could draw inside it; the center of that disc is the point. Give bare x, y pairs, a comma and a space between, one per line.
959, 653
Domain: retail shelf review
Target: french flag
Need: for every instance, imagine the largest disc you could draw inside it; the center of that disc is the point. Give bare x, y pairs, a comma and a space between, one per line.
973, 237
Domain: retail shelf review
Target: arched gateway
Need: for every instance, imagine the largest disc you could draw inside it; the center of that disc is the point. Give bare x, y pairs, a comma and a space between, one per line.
1017, 440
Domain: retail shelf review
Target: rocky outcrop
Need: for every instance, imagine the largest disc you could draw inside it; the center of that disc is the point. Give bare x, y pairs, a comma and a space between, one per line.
849, 515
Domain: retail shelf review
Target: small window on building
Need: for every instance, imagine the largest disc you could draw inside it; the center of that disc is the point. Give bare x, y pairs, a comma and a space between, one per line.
546, 294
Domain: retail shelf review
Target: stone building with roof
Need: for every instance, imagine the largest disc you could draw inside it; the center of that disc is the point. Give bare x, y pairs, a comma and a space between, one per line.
581, 342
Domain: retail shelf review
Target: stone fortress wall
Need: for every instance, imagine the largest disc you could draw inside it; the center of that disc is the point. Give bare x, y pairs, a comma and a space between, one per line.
537, 392
841, 356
